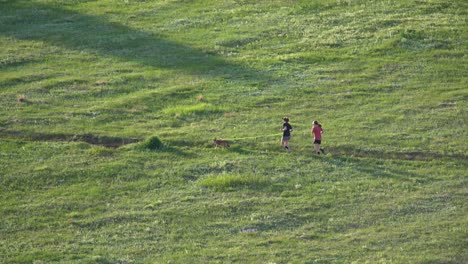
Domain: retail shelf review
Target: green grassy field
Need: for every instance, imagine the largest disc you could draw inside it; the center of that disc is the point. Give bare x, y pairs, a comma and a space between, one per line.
109, 109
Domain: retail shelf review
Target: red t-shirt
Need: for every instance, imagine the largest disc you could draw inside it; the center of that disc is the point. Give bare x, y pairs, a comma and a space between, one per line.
317, 130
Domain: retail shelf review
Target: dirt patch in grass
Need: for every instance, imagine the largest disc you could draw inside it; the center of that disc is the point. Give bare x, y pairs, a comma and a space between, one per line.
105, 141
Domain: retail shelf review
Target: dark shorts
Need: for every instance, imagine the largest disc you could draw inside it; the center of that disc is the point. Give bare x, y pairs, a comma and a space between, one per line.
285, 138
318, 141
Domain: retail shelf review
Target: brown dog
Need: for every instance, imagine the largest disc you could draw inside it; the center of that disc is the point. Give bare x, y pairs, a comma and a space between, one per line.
221, 143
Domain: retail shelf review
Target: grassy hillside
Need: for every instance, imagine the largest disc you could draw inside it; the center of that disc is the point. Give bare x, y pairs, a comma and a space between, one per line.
109, 109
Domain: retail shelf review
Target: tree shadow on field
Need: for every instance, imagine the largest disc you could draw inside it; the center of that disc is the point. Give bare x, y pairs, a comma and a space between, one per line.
239, 150
53, 24
342, 156
376, 154
382, 171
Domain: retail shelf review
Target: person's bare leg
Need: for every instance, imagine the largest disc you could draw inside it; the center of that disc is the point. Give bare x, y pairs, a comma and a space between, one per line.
317, 148
286, 145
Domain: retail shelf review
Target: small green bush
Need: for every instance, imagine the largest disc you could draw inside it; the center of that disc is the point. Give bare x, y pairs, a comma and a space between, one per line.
152, 143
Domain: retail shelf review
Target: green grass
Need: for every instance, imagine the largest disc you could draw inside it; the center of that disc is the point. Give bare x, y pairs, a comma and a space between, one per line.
109, 158
232, 182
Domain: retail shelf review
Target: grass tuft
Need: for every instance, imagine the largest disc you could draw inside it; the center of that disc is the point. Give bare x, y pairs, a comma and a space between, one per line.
151, 143
232, 182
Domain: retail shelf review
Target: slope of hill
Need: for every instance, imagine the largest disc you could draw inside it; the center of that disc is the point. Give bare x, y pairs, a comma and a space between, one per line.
109, 109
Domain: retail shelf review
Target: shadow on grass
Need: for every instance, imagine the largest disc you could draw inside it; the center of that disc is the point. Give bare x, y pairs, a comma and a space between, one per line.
242, 151
167, 149
349, 151
374, 170
354, 159
60, 27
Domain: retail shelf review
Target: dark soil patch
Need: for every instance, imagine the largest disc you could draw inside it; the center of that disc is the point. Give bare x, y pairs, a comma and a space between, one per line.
105, 141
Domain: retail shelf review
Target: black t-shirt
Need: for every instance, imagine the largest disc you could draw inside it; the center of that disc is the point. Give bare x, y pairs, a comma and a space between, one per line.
287, 132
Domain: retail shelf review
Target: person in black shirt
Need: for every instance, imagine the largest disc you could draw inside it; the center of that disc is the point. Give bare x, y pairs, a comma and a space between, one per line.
287, 129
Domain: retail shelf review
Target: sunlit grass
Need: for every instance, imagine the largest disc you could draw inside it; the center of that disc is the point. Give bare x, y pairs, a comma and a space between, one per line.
233, 182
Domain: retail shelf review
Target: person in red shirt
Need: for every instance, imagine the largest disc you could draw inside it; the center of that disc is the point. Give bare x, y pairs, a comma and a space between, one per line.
317, 133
